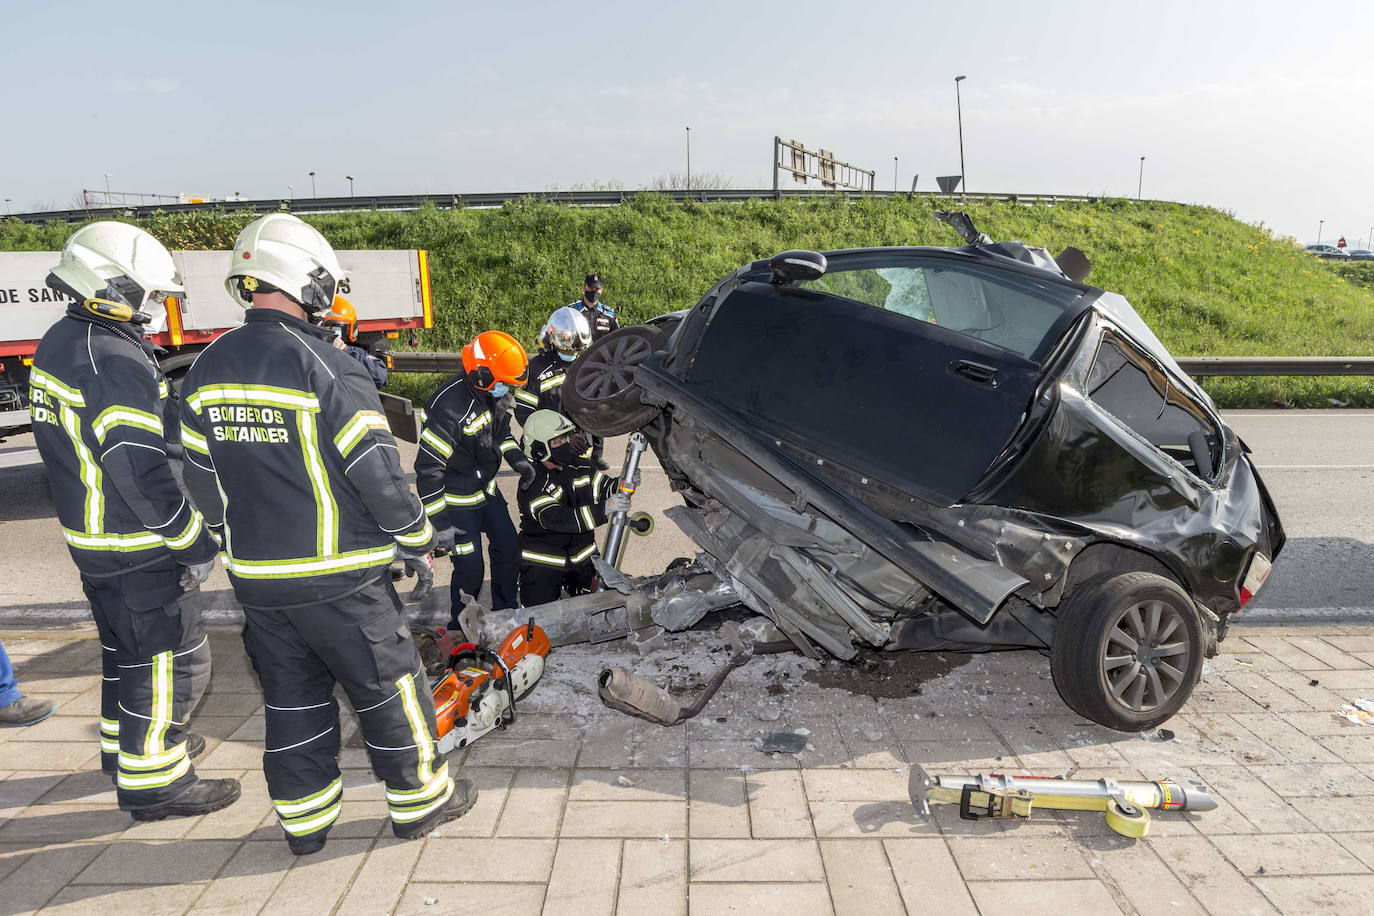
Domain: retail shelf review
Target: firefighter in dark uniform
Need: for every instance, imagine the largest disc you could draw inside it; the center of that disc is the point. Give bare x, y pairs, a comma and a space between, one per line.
599, 317
564, 337
98, 400
560, 510
465, 432
289, 454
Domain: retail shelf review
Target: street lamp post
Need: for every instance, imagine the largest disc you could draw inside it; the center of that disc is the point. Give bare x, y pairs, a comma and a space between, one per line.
1140, 182
7, 205
689, 159
894, 174
1320, 223
959, 107
312, 184
290, 192
350, 185
107, 189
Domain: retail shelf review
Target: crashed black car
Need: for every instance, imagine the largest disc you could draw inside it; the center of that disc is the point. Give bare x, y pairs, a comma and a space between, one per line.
960, 448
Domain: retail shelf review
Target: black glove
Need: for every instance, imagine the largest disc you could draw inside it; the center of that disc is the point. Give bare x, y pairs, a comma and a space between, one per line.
192, 576
526, 472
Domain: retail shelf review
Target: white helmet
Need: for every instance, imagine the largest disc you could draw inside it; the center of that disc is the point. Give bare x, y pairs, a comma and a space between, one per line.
114, 270
281, 253
567, 332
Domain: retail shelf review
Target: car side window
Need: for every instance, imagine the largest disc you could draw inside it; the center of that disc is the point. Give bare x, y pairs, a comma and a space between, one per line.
1134, 390
1007, 310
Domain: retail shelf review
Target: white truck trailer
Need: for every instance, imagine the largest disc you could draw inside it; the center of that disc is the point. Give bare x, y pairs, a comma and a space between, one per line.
389, 289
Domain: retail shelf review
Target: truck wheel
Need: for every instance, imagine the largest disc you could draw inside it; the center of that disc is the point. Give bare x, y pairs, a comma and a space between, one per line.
1127, 650
599, 393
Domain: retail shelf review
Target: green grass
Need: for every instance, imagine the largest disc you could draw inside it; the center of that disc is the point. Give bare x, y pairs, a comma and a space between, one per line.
1207, 283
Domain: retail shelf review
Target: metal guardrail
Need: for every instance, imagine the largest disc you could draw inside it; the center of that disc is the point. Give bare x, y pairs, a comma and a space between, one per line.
479, 201
1195, 366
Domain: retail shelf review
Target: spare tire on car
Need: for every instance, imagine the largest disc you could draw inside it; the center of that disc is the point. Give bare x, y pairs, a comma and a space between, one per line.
599, 393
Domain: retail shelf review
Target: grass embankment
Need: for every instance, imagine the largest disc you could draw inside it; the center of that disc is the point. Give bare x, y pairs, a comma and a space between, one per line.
1207, 283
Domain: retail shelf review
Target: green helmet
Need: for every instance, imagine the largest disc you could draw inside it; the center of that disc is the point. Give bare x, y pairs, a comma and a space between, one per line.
542, 427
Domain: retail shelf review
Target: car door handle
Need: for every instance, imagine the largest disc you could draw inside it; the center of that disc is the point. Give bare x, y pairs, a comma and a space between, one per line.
978, 372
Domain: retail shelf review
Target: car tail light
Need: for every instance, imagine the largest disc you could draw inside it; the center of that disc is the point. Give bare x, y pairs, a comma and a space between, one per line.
1255, 575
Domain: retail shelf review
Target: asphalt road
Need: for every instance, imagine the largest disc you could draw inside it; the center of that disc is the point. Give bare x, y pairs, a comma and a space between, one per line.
1318, 465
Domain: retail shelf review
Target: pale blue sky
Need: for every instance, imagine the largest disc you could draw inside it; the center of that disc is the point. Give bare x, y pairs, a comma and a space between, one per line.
1260, 107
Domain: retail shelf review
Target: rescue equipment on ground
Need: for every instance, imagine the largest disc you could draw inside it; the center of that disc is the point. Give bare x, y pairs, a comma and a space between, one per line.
476, 688
1125, 803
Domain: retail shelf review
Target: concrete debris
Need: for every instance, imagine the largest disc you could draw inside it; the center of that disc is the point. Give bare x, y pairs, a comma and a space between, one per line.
769, 712
760, 629
649, 639
870, 732
626, 781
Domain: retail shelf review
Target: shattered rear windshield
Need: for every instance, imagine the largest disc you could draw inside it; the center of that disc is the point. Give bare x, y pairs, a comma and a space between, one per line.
1005, 308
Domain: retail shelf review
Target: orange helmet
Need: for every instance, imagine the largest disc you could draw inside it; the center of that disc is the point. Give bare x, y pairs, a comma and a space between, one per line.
345, 316
495, 356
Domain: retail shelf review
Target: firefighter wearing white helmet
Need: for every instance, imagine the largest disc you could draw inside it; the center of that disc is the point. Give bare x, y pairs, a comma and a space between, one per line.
560, 509
289, 452
97, 412
562, 339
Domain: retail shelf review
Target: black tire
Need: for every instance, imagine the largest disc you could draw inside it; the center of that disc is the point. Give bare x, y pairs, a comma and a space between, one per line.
1094, 668
599, 393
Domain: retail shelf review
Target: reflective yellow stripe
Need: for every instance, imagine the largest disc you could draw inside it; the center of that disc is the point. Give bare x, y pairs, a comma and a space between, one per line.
436, 506
581, 481
583, 555
509, 444
598, 479
544, 559
40, 379
537, 504
327, 510
310, 802
253, 394
419, 538
194, 440
463, 548
161, 705
90, 472
356, 428
419, 729
120, 543
125, 416
162, 390
491, 487
188, 534
442, 448
309, 566
526, 397
154, 780
554, 382
470, 499
481, 421
306, 825
587, 518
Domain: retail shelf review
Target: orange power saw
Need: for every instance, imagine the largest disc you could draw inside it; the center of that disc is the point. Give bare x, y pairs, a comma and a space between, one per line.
478, 688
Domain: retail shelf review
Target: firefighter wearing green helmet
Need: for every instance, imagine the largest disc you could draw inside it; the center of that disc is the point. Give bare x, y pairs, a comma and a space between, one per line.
560, 509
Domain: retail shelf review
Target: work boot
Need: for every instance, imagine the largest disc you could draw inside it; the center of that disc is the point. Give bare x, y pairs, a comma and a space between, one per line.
204, 796
26, 711
304, 846
459, 803
600, 463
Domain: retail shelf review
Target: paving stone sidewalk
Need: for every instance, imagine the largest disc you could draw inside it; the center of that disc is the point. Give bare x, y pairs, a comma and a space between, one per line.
585, 811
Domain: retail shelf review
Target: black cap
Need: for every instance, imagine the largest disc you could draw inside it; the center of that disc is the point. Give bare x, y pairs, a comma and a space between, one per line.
594, 281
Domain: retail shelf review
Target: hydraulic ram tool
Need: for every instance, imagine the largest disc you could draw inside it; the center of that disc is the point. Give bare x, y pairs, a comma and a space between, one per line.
1125, 803
639, 522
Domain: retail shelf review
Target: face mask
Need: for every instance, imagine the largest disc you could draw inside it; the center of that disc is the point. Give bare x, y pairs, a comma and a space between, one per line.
592, 296
567, 453
498, 391
566, 357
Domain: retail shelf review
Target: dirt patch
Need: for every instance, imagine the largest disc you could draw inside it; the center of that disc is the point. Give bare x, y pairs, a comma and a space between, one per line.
883, 675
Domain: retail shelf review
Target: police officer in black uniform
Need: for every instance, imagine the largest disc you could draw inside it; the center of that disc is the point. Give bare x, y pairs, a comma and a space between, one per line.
599, 316
564, 337
98, 401
560, 510
289, 454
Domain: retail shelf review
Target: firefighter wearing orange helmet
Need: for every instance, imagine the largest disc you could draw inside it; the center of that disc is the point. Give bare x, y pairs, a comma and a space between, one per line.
465, 432
342, 320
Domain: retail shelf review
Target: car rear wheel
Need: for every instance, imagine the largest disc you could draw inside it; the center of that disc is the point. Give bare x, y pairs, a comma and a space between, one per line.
599, 393
1127, 650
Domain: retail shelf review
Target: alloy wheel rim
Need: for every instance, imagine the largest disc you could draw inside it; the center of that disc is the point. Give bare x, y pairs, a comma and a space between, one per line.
612, 370
1147, 655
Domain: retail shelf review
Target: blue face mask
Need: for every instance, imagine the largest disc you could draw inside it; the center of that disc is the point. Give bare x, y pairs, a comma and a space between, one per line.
498, 391
566, 357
